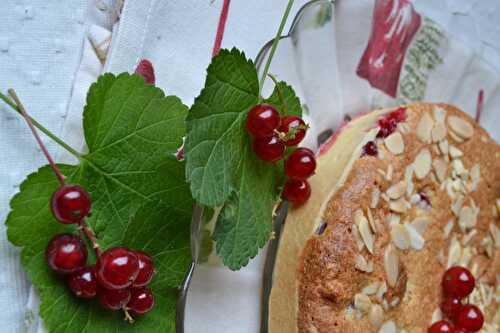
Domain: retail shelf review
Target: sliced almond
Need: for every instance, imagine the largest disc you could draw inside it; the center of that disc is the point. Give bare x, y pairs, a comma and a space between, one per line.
459, 167
424, 128
475, 176
376, 316
437, 315
440, 168
468, 237
398, 206
395, 143
362, 302
438, 132
397, 190
408, 178
447, 229
371, 289
455, 152
495, 233
420, 224
456, 207
375, 198
461, 127
400, 237
361, 264
422, 163
455, 137
388, 327
371, 220
391, 265
358, 216
467, 218
443, 147
390, 171
381, 291
357, 238
454, 253
439, 114
417, 242
366, 234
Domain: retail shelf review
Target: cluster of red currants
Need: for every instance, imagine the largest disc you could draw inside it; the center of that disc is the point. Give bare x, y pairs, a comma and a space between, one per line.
120, 275
458, 283
272, 134
388, 124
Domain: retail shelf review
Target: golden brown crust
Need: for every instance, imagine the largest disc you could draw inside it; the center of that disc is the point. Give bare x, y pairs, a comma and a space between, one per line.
335, 291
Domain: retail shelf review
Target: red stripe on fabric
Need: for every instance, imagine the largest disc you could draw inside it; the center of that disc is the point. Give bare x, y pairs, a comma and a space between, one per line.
220, 27
479, 108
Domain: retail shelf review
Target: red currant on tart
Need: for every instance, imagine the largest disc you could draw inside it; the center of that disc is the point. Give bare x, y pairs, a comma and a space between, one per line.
117, 268
470, 318
66, 253
441, 326
262, 120
451, 307
458, 281
70, 204
294, 129
300, 164
370, 149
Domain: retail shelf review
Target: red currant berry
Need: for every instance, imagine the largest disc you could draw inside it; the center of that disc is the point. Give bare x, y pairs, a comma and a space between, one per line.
441, 326
370, 148
141, 301
300, 164
458, 281
146, 269
470, 317
297, 191
270, 149
114, 299
451, 307
389, 122
83, 283
70, 204
117, 268
66, 253
297, 125
460, 330
262, 120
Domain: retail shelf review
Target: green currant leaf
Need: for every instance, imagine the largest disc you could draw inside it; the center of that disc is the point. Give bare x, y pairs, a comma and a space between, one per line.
245, 222
292, 102
139, 199
220, 164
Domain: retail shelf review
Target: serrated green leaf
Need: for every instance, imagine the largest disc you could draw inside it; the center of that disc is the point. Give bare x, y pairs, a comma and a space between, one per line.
139, 199
220, 164
292, 102
245, 222
215, 124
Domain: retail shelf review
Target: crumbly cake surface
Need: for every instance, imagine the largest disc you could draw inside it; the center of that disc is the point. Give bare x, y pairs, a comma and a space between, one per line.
429, 200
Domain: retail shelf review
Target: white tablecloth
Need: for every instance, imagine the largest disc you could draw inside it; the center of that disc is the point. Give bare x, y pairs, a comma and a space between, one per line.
47, 54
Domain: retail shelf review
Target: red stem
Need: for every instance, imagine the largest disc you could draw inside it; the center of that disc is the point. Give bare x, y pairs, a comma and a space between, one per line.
53, 165
479, 109
90, 235
220, 27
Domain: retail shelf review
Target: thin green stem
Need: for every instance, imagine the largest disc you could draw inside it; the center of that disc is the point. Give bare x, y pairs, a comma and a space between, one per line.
41, 128
280, 94
275, 45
